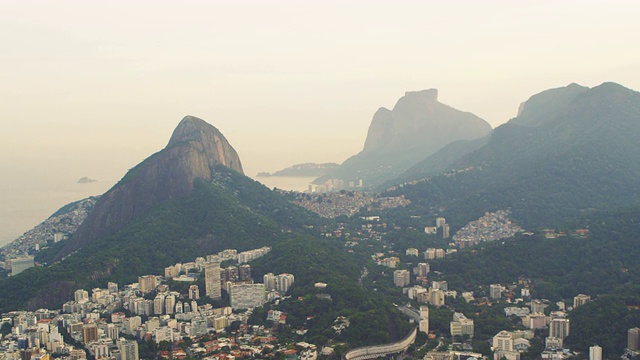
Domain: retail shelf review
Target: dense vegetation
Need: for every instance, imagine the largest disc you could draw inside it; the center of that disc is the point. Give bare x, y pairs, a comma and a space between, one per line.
551, 171
561, 267
372, 316
605, 322
233, 212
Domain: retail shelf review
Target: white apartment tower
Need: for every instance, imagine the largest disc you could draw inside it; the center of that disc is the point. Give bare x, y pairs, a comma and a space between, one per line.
212, 280
595, 353
559, 325
424, 319
128, 349
401, 278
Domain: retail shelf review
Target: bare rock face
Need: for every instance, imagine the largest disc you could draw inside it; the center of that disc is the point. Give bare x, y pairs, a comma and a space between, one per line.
194, 149
416, 127
206, 139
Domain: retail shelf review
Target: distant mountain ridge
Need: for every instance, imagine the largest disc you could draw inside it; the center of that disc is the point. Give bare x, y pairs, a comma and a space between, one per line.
571, 150
302, 170
416, 127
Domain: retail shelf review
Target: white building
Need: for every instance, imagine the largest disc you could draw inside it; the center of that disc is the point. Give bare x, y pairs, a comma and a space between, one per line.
503, 341
212, 280
424, 319
461, 325
595, 353
401, 278
247, 296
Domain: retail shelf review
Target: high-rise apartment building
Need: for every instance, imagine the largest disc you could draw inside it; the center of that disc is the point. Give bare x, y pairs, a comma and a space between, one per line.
435, 297
194, 292
401, 278
147, 283
89, 332
128, 349
495, 291
169, 304
284, 282
424, 319
158, 305
212, 280
595, 353
112, 288
503, 341
559, 325
422, 269
580, 300
245, 272
81, 296
446, 231
440, 285
430, 254
633, 339
537, 306
269, 281
231, 274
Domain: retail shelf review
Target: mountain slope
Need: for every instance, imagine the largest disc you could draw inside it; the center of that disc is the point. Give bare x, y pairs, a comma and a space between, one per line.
416, 127
442, 159
193, 151
549, 170
206, 207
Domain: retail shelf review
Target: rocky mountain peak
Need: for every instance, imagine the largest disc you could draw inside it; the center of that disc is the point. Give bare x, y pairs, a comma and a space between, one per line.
194, 151
208, 139
416, 127
429, 95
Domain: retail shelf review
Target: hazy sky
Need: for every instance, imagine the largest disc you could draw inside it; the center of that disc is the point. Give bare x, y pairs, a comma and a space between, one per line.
90, 88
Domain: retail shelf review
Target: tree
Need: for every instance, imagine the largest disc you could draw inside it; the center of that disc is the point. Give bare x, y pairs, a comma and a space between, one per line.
5, 328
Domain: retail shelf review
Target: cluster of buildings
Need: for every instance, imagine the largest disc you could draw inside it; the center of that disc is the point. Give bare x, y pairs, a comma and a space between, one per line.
492, 226
145, 310
334, 204
53, 229
510, 345
434, 294
441, 228
335, 185
40, 335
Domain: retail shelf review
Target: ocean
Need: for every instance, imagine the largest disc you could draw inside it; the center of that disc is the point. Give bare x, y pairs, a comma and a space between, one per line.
26, 203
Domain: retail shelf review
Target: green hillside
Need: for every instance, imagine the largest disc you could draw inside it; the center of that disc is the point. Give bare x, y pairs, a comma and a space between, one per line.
583, 160
232, 212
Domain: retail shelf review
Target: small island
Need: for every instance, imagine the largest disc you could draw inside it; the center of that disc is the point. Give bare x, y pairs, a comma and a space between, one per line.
86, 180
302, 170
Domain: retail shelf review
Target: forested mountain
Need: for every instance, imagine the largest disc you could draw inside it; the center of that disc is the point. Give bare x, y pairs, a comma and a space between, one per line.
194, 150
559, 159
185, 201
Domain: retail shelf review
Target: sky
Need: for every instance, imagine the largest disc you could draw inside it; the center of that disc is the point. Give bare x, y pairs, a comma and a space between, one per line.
91, 88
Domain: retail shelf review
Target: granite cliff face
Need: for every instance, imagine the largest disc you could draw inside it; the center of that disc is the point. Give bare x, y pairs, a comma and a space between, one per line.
194, 149
416, 127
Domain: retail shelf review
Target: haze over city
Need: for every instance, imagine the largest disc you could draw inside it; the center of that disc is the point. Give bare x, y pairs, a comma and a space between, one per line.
92, 88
